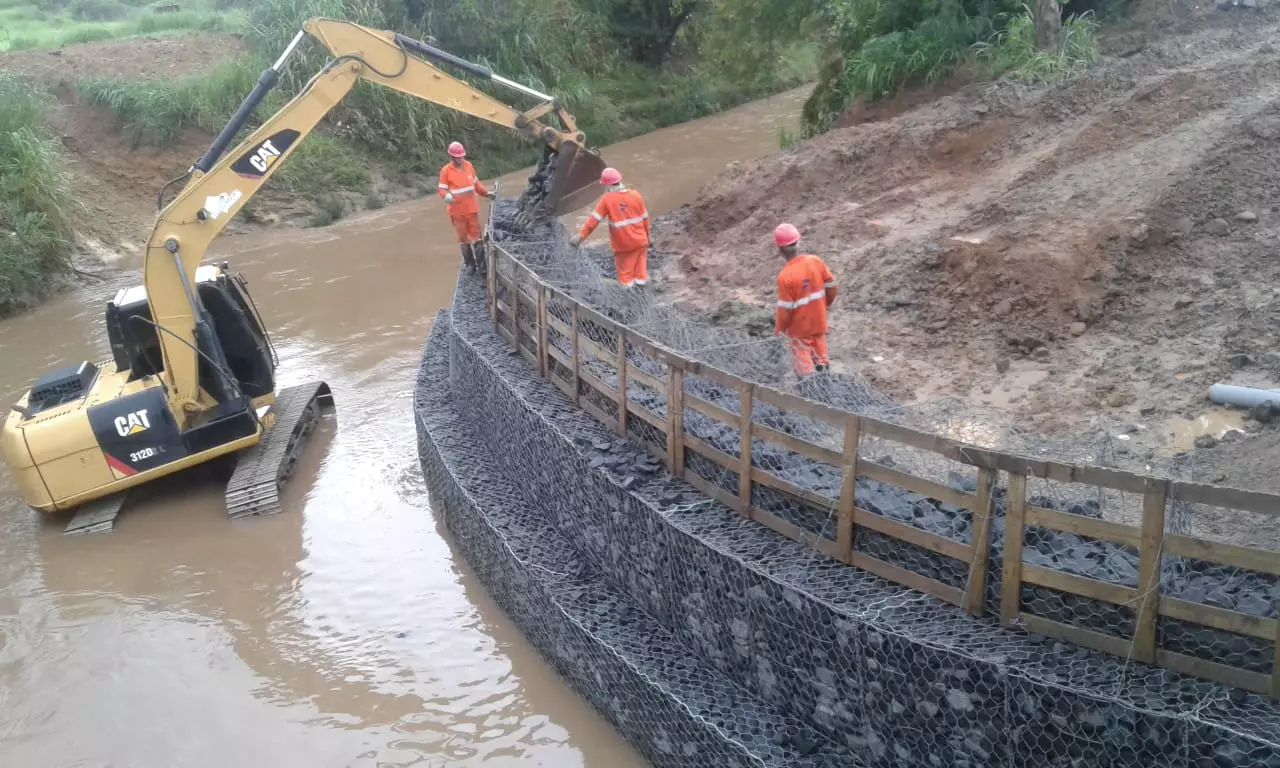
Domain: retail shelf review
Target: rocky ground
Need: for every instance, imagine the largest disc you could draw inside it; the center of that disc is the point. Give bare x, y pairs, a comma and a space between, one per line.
1082, 259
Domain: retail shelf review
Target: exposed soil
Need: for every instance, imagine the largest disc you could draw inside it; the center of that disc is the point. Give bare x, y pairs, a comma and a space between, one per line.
1091, 256
140, 58
117, 183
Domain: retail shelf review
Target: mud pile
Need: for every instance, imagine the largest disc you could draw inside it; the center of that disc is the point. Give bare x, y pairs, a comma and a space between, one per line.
1083, 258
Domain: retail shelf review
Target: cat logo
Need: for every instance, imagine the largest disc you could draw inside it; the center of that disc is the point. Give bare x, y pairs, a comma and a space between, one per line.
255, 163
133, 423
265, 156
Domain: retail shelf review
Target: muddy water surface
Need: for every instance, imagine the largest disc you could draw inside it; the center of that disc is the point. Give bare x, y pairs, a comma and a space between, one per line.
343, 631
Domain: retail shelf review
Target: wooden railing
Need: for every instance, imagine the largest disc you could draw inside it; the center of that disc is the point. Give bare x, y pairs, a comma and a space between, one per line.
637, 387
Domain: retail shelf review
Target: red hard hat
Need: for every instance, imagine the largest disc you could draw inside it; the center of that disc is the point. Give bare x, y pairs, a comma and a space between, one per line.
786, 234
610, 176
457, 150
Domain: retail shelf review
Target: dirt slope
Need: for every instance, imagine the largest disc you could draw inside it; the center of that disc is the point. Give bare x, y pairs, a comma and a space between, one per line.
115, 183
1090, 256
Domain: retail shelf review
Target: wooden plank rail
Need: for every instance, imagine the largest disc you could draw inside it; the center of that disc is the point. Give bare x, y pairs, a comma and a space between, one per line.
510, 284
596, 351
909, 579
798, 445
558, 325
943, 493
1078, 585
912, 535
769, 480
606, 391
1218, 618
1259, 560
647, 379
707, 451
648, 417
1080, 525
695, 403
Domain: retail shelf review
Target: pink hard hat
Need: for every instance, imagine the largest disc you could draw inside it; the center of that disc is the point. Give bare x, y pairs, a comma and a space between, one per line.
786, 234
457, 150
610, 176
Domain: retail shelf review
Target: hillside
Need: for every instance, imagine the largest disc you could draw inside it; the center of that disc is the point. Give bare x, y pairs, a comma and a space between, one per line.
1084, 258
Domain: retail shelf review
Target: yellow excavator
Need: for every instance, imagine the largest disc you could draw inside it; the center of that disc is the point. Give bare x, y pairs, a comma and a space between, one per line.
192, 374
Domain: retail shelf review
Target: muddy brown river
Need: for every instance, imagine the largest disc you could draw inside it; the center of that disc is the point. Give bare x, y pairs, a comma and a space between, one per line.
343, 631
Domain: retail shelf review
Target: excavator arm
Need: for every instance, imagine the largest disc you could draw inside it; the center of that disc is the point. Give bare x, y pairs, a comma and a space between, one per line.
220, 183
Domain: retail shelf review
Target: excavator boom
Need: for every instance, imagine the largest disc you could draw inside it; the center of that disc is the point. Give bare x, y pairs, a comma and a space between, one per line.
192, 371
221, 182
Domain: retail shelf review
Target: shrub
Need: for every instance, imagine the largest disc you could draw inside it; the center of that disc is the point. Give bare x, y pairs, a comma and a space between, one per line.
98, 10
328, 210
35, 200
1013, 50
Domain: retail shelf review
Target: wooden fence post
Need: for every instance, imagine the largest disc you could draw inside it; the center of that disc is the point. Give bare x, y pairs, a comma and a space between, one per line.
848, 488
675, 419
1275, 668
1015, 505
515, 308
746, 400
1152, 541
493, 285
541, 322
577, 364
976, 586
622, 381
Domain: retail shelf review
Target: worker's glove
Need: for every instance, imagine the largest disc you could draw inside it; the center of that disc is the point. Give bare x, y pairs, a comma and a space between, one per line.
490, 195
575, 241
448, 198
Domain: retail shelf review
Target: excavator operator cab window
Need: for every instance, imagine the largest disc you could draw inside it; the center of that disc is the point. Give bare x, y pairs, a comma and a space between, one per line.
135, 345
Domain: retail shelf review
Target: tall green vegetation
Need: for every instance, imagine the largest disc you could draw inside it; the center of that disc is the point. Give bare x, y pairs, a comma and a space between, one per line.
35, 202
622, 67
54, 23
876, 47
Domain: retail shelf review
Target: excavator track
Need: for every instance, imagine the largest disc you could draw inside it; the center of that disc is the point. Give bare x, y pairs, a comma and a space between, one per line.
262, 471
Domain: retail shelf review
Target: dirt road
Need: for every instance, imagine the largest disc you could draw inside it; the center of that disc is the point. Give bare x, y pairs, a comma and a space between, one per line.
342, 631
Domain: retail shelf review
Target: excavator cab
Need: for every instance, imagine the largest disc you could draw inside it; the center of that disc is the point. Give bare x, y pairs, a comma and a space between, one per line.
251, 360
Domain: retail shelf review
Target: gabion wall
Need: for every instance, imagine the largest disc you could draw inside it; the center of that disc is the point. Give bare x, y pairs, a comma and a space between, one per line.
895, 677
663, 699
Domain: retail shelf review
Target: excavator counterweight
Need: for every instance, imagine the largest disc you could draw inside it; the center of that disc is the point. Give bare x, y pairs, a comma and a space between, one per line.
193, 371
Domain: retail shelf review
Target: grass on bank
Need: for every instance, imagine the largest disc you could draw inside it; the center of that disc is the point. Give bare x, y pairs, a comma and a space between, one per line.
35, 200
935, 48
612, 99
55, 23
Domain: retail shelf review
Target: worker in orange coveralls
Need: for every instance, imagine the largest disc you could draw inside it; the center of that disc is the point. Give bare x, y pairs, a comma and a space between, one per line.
806, 288
459, 187
629, 228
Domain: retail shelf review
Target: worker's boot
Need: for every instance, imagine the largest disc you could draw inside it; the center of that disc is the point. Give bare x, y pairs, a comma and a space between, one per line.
467, 256
822, 367
478, 256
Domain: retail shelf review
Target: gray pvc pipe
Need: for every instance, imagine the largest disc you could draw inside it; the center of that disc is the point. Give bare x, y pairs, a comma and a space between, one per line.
1243, 397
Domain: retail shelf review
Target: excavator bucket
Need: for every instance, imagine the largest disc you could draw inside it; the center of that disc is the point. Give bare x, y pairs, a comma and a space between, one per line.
575, 179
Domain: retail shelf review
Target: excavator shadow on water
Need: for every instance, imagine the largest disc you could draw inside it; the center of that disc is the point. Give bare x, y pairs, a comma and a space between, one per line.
192, 376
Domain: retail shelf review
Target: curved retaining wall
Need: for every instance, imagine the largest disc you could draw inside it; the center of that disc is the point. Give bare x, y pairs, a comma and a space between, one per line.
883, 676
